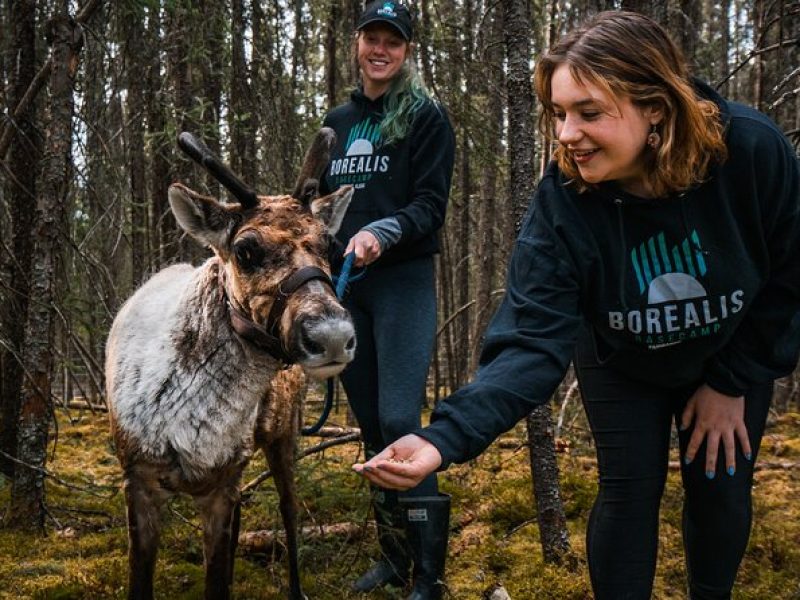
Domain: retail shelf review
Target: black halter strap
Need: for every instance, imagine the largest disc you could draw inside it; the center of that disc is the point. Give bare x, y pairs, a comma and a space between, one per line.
267, 338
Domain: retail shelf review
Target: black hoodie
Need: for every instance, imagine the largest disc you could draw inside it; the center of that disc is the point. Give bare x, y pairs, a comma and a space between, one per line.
701, 287
408, 180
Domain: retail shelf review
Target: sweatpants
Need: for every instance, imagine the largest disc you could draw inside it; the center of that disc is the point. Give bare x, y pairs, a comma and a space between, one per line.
394, 313
631, 423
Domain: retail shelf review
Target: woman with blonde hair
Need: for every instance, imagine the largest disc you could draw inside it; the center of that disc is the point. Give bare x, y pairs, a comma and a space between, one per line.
395, 146
661, 253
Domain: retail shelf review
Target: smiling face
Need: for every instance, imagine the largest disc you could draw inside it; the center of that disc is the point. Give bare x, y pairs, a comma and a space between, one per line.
604, 135
381, 52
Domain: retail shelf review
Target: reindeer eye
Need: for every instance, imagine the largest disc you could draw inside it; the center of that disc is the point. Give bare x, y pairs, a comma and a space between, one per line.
249, 254
312, 248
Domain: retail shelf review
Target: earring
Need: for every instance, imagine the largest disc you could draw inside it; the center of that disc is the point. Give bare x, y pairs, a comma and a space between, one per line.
653, 138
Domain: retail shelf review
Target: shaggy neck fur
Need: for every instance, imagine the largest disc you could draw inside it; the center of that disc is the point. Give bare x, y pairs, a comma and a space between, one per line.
200, 406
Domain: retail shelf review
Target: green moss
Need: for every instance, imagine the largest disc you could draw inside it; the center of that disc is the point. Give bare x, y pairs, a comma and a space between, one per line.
494, 534
578, 491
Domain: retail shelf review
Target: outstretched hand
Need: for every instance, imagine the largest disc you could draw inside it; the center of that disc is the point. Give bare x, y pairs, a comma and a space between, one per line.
717, 418
401, 465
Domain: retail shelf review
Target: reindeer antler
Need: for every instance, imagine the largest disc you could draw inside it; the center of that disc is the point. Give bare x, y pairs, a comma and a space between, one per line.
314, 163
200, 153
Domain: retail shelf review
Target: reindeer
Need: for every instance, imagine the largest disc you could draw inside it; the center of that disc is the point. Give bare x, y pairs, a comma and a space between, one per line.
199, 361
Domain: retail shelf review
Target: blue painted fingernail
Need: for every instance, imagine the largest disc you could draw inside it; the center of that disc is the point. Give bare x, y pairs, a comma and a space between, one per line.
710, 474
368, 469
682, 427
731, 471
687, 459
748, 456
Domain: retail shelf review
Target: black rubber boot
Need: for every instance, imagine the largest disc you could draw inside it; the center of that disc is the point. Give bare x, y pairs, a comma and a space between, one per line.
395, 562
427, 521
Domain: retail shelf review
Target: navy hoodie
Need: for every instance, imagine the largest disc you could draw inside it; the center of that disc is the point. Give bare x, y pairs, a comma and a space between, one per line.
699, 287
408, 180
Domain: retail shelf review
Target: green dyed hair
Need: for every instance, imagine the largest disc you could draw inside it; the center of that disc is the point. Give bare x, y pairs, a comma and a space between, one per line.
406, 95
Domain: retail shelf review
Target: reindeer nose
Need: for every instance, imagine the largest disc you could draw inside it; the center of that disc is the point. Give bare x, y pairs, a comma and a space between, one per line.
331, 340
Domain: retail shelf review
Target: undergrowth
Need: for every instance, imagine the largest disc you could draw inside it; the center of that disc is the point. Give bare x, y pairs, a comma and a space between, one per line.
494, 538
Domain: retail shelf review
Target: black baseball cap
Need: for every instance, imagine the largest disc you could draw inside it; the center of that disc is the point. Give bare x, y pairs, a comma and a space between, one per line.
387, 11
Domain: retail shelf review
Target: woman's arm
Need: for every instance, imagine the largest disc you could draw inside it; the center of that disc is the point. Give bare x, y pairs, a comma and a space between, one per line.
766, 344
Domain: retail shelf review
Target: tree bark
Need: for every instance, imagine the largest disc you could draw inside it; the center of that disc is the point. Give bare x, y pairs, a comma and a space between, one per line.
685, 29
241, 117
212, 71
133, 35
544, 467
544, 473
162, 222
484, 248
27, 509
658, 10
331, 52
24, 163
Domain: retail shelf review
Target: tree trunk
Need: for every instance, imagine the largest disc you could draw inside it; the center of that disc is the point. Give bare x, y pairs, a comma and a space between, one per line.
724, 45
23, 164
544, 467
27, 509
461, 204
331, 55
484, 248
212, 69
241, 117
544, 472
162, 222
686, 29
758, 61
133, 35
658, 10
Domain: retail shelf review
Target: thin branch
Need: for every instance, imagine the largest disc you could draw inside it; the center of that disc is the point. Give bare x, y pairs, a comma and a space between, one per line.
752, 54
350, 437
57, 479
461, 309
784, 97
38, 82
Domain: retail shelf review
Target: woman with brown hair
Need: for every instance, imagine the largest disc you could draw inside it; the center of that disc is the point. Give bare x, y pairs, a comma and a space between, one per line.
661, 253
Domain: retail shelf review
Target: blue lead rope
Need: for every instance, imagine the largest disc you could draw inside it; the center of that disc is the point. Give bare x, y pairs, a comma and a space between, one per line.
346, 276
341, 280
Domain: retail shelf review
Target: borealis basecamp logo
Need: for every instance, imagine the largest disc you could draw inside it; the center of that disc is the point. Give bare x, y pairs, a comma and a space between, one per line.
361, 160
678, 306
387, 10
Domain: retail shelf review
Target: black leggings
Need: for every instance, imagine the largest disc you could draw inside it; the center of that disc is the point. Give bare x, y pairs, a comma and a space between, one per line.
394, 312
631, 423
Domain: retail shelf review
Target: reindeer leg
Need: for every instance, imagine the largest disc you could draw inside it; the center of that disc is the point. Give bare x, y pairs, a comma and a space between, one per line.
218, 510
280, 456
235, 520
143, 498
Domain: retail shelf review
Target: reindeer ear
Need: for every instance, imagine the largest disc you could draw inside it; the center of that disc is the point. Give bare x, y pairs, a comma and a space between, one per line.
205, 219
307, 191
331, 209
317, 158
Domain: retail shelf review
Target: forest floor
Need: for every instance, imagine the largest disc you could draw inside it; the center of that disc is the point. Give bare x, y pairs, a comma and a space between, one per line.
494, 536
